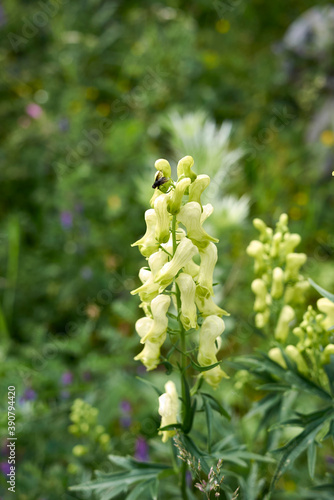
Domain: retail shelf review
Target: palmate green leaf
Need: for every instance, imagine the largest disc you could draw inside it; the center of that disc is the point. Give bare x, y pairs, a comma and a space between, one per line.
322, 291
209, 420
215, 405
110, 485
298, 444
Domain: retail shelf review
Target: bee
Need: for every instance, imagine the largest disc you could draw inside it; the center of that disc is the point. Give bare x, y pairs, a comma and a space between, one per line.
159, 180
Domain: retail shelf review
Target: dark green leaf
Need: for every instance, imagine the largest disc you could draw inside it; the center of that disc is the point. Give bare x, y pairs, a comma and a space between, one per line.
209, 419
147, 382
311, 458
215, 405
200, 368
322, 291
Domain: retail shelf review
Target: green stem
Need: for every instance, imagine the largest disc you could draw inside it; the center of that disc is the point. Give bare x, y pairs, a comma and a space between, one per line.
183, 363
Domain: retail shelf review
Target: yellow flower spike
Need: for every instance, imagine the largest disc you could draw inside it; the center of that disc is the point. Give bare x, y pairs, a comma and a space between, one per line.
150, 288
187, 289
191, 268
207, 307
259, 288
163, 219
197, 187
164, 167
207, 211
209, 256
296, 294
327, 353
175, 196
190, 217
184, 168
184, 253
275, 354
282, 224
150, 355
148, 244
159, 308
297, 357
294, 262
282, 329
326, 307
168, 409
211, 329
277, 287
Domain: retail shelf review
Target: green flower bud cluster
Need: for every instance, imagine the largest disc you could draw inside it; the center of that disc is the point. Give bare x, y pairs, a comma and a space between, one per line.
279, 286
174, 236
315, 343
84, 425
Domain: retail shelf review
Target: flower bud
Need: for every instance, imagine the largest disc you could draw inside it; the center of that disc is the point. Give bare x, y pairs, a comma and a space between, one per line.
262, 318
209, 258
294, 262
282, 329
159, 308
164, 167
282, 224
163, 219
256, 250
212, 327
168, 409
290, 242
150, 355
327, 353
148, 244
275, 354
184, 168
261, 227
259, 288
187, 289
297, 357
327, 307
277, 286
197, 188
190, 217
183, 254
175, 195
275, 245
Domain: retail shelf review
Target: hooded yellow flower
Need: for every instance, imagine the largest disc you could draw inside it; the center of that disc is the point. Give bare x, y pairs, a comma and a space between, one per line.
209, 258
159, 308
150, 289
148, 244
183, 254
197, 187
150, 355
190, 217
187, 289
212, 327
175, 195
163, 219
168, 409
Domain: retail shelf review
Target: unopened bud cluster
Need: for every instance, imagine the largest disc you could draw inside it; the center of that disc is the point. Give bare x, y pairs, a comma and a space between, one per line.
279, 283
315, 343
85, 425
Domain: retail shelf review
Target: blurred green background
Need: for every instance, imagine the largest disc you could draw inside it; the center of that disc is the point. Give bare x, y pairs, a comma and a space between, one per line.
92, 93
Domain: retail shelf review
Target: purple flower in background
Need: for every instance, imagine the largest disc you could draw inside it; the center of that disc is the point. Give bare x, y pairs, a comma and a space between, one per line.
5, 468
67, 378
34, 110
125, 406
141, 451
125, 422
28, 395
66, 219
